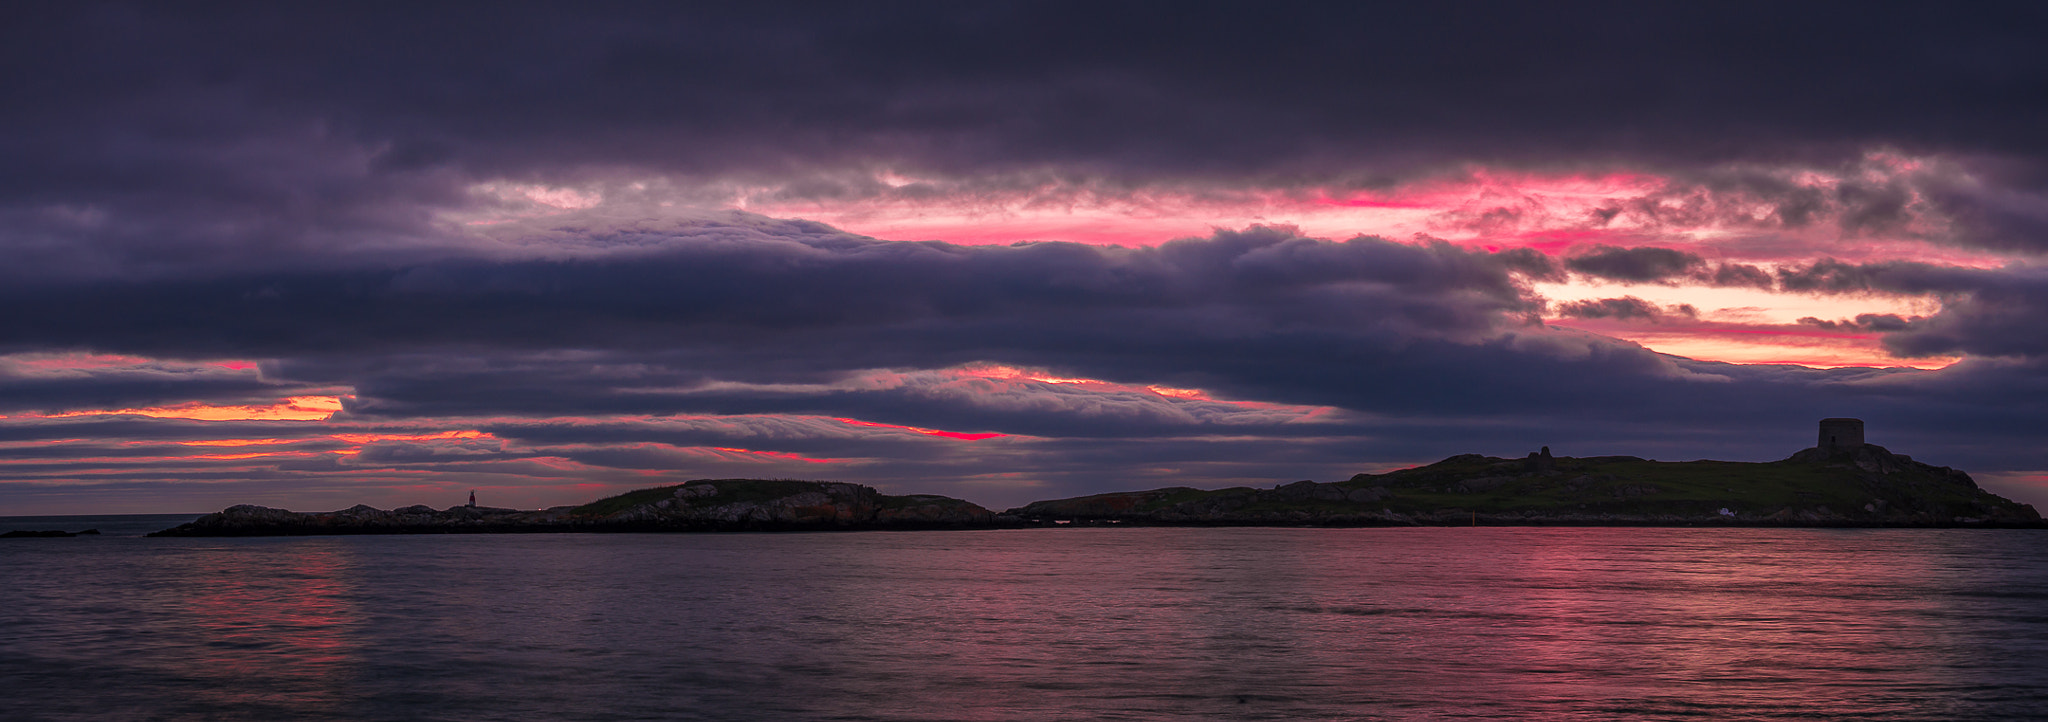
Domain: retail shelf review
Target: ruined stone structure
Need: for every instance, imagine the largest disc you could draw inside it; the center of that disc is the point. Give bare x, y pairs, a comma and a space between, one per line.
1840, 434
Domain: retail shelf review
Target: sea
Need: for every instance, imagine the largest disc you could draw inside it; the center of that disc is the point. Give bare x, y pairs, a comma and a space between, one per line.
1027, 624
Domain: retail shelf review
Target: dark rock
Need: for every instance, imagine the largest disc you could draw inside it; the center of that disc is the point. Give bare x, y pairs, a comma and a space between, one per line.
1868, 457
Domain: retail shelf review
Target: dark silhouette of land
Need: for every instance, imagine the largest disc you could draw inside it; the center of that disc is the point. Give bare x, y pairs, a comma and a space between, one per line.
1861, 486
1841, 481
702, 505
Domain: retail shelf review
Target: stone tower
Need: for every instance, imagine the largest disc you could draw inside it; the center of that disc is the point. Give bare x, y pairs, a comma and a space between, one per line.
1841, 433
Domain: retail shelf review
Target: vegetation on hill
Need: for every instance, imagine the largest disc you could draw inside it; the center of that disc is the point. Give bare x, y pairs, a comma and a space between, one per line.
702, 505
725, 491
1864, 486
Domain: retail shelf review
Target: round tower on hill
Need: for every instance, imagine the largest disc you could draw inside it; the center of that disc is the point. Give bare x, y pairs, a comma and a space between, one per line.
1841, 433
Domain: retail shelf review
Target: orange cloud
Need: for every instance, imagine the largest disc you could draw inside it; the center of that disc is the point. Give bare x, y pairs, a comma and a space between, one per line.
251, 455
372, 438
997, 372
296, 408
927, 432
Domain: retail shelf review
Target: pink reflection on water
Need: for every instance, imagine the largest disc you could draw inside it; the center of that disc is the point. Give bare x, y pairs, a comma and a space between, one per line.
1648, 622
1097, 623
273, 626
1592, 623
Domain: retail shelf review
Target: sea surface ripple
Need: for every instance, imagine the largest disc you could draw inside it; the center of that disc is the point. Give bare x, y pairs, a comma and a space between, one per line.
1134, 624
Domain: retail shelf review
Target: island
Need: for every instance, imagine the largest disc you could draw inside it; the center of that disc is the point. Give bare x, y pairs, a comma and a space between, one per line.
1840, 482
701, 505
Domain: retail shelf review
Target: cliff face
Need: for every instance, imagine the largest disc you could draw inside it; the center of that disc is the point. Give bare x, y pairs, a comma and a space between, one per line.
704, 505
1864, 485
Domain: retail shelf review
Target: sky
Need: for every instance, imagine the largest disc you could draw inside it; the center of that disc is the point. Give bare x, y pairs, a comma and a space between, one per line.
309, 256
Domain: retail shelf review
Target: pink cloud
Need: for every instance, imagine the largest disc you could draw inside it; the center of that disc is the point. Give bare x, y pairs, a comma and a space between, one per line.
928, 432
1794, 344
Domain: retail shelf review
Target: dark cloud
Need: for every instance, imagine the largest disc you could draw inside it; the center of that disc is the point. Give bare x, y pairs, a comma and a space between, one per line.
2001, 318
1832, 276
1626, 308
792, 291
41, 394
1866, 322
1738, 274
1532, 264
175, 429
757, 302
1638, 265
754, 317
288, 184
146, 138
1998, 211
1987, 312
1876, 194
1652, 264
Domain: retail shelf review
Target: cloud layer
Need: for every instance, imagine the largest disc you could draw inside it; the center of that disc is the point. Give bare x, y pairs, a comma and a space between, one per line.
554, 253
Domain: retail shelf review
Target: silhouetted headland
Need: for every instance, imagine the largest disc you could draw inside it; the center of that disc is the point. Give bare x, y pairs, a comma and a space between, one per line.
702, 505
1840, 482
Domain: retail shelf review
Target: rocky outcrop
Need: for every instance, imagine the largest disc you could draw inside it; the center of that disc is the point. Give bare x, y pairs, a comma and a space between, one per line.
1862, 485
704, 505
757, 503
1874, 459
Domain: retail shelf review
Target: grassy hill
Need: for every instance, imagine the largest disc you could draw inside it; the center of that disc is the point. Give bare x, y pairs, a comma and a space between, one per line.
1861, 486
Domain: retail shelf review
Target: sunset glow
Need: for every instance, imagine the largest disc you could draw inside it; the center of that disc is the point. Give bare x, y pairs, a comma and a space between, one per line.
1558, 215
999, 252
1462, 209
297, 408
1023, 360
1736, 343
373, 438
927, 432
